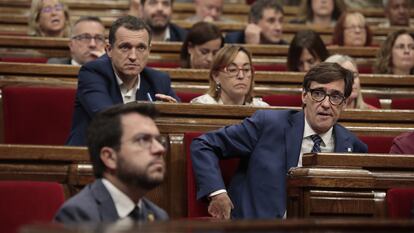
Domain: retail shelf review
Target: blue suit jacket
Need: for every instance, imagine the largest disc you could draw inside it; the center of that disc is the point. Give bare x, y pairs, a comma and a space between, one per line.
177, 33
268, 145
94, 204
98, 90
238, 37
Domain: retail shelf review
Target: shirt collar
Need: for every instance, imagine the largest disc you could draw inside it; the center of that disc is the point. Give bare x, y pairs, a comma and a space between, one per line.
308, 131
123, 204
167, 34
75, 63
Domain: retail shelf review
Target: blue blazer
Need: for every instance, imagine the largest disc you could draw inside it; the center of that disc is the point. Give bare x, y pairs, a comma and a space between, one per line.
177, 33
268, 145
238, 37
98, 90
94, 204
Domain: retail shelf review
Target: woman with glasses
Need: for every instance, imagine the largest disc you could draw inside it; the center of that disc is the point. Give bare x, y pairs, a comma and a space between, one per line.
355, 100
352, 30
396, 55
231, 79
49, 18
202, 43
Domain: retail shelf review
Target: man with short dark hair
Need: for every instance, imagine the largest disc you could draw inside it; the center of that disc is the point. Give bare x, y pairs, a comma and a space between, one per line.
126, 151
397, 13
118, 77
157, 14
265, 25
87, 42
271, 142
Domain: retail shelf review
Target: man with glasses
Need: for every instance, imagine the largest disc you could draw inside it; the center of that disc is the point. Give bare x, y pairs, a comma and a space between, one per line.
87, 42
127, 154
271, 142
118, 77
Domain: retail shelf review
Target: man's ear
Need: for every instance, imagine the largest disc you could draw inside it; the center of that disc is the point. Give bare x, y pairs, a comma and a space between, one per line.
108, 49
109, 157
304, 94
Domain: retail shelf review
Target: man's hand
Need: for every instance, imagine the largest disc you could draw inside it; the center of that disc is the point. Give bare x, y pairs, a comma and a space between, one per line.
220, 206
165, 98
97, 53
252, 34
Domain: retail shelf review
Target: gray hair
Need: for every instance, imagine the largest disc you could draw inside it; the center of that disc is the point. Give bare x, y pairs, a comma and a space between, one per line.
340, 59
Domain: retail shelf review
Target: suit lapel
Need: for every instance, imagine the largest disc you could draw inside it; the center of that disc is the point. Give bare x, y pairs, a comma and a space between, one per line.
293, 137
342, 143
144, 88
105, 203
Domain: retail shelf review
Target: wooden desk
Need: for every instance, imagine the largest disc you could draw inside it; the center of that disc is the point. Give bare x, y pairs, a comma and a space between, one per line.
346, 185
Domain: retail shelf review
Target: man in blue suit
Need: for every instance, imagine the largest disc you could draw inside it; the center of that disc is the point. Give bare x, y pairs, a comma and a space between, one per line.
127, 153
265, 25
118, 77
271, 142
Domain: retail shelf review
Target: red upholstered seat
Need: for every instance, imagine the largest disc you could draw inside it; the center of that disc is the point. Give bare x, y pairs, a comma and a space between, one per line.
283, 100
163, 64
377, 144
37, 115
400, 202
198, 208
374, 101
186, 97
25, 202
402, 103
273, 67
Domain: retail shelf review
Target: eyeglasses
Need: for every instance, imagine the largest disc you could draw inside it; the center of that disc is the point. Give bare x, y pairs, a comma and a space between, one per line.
56, 7
86, 38
319, 95
145, 140
234, 70
403, 46
355, 27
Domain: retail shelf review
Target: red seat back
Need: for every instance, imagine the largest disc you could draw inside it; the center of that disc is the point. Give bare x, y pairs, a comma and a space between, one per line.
37, 115
373, 101
402, 103
25, 202
186, 97
283, 100
197, 208
378, 144
272, 67
400, 202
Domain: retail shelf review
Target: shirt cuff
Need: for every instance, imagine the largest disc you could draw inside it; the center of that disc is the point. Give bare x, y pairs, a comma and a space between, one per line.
215, 193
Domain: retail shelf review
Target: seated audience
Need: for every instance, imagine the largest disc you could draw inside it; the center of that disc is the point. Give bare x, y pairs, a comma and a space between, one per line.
87, 42
127, 153
403, 144
305, 51
209, 11
323, 13
49, 18
120, 76
352, 30
270, 143
231, 79
157, 14
397, 13
202, 43
396, 55
265, 25
355, 100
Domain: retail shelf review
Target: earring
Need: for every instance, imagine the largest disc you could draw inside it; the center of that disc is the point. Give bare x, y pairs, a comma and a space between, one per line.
218, 88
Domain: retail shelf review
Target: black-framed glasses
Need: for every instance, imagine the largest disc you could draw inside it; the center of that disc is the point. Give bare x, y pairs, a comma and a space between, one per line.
87, 38
56, 7
319, 95
234, 70
145, 140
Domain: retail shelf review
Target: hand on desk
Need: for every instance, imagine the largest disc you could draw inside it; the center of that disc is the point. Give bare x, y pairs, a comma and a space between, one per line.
220, 206
165, 98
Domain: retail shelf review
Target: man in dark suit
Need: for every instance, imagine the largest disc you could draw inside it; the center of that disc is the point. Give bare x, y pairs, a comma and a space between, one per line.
86, 44
271, 142
118, 77
157, 14
126, 150
265, 25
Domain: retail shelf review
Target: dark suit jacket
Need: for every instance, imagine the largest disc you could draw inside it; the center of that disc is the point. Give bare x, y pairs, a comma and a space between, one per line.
177, 33
239, 38
59, 60
94, 204
268, 145
98, 90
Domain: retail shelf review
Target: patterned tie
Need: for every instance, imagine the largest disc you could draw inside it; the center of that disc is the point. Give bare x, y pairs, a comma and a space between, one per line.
317, 143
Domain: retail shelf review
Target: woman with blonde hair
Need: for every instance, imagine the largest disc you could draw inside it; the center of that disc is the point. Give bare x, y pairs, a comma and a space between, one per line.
49, 18
355, 100
231, 79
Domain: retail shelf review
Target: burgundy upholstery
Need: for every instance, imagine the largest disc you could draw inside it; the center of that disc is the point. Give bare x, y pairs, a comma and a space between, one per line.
374, 101
283, 100
25, 202
37, 115
273, 67
402, 103
195, 208
377, 144
24, 59
365, 69
163, 64
186, 97
400, 202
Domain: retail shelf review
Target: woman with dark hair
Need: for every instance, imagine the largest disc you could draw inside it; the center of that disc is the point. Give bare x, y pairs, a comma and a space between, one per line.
320, 12
203, 41
352, 30
231, 79
396, 55
305, 51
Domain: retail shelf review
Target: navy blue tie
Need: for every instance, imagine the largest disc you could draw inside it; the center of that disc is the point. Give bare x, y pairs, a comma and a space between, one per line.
317, 143
135, 214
